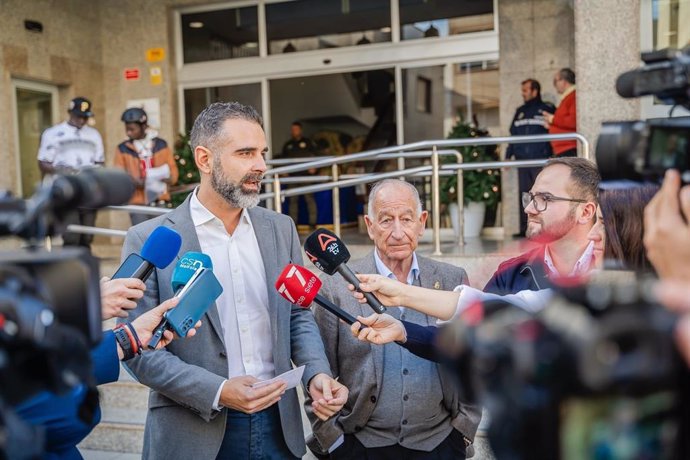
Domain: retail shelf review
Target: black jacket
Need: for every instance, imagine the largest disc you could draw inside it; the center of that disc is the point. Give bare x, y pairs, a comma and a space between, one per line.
521, 273
529, 120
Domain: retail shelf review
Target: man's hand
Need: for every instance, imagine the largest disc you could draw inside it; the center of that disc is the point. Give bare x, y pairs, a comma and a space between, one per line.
675, 296
238, 394
120, 295
389, 292
328, 396
666, 229
146, 323
548, 118
381, 329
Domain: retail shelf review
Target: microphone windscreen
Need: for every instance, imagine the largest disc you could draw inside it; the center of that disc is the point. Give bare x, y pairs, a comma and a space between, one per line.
326, 251
93, 188
161, 247
189, 263
298, 285
625, 84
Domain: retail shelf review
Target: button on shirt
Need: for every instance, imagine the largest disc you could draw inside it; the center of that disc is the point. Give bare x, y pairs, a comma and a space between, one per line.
66, 146
243, 305
409, 410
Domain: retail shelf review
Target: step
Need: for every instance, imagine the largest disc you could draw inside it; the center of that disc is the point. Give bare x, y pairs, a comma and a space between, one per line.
115, 437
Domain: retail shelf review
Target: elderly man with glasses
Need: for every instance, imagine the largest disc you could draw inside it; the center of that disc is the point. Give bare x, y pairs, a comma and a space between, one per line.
561, 209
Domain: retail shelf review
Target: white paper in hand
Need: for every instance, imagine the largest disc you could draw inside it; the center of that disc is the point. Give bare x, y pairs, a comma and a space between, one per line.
291, 378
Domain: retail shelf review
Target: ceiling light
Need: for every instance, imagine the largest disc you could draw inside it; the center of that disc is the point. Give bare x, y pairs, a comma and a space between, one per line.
196, 24
385, 30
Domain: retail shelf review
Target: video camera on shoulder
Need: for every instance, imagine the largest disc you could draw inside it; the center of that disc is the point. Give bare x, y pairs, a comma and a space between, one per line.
596, 374
50, 306
644, 150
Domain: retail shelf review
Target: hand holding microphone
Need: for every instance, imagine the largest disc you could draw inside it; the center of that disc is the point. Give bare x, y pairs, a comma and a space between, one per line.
196, 288
158, 251
329, 254
301, 287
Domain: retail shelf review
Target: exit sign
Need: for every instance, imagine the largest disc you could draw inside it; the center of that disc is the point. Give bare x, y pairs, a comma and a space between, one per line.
132, 74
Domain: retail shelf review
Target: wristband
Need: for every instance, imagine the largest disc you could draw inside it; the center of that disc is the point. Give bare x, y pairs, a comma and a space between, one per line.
136, 338
131, 338
122, 339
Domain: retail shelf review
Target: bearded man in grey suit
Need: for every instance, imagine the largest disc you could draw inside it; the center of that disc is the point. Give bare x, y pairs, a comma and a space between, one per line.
203, 404
400, 406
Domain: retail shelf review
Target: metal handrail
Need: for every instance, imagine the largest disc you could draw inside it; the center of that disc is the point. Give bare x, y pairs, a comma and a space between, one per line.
435, 171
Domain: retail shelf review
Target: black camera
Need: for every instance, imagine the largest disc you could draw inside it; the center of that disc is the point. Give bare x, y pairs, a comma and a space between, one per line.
50, 308
594, 375
644, 150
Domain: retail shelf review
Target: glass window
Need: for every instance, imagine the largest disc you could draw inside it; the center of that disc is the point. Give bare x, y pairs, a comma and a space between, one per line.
670, 23
304, 25
442, 18
473, 97
221, 34
195, 100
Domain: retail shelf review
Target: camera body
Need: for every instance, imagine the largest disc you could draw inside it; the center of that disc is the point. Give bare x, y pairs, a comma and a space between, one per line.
50, 303
644, 150
595, 370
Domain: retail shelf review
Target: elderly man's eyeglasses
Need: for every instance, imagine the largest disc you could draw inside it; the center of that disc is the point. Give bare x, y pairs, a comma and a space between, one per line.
541, 200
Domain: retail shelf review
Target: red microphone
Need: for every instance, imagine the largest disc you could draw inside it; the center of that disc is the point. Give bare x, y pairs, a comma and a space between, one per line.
301, 287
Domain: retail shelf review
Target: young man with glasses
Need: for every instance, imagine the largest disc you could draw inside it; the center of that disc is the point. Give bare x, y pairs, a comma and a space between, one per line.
561, 209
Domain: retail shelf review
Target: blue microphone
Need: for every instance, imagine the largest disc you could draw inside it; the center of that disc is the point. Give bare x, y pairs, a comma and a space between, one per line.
185, 270
158, 251
188, 265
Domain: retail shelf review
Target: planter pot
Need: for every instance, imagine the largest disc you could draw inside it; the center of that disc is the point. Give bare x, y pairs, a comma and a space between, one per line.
473, 218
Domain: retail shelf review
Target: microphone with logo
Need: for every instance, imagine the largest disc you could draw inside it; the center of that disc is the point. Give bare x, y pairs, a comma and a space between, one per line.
158, 251
301, 287
184, 275
329, 254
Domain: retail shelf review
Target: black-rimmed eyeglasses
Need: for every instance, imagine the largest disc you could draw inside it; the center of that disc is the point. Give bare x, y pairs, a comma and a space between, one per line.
542, 199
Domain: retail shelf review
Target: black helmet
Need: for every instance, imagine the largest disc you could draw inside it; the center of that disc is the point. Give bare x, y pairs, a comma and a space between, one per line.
134, 115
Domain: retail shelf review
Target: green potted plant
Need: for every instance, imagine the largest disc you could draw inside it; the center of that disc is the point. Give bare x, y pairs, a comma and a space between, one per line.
481, 188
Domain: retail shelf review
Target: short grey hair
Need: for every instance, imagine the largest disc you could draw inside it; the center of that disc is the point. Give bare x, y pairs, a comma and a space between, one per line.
208, 126
383, 183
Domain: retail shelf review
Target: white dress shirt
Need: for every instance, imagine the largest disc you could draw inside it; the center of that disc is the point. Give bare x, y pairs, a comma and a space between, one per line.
243, 305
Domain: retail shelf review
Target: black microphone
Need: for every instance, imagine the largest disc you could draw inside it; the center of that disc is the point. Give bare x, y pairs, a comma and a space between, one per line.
92, 188
158, 251
329, 254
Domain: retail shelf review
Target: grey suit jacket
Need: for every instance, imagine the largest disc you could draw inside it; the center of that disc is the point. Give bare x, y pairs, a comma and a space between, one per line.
185, 376
360, 365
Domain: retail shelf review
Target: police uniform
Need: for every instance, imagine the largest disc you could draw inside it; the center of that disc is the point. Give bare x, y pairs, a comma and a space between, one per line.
529, 120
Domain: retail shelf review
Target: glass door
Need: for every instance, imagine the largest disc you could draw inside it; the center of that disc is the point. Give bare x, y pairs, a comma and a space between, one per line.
35, 112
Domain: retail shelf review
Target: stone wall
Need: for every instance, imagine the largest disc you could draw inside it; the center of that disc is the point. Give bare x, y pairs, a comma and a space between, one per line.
535, 40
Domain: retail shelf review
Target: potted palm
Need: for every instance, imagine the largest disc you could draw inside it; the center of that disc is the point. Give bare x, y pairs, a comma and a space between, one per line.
481, 188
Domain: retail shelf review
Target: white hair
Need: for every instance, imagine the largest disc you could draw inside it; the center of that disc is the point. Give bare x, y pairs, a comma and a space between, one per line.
383, 183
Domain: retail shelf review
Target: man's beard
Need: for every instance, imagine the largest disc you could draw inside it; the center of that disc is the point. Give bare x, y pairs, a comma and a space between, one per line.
554, 231
233, 192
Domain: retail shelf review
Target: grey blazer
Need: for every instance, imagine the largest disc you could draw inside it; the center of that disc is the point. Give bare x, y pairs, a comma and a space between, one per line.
360, 365
185, 377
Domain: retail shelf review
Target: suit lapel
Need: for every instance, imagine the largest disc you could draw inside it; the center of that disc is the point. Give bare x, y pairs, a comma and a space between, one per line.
428, 278
181, 219
266, 238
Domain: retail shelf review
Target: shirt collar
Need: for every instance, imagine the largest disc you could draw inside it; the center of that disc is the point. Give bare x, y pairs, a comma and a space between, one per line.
201, 215
568, 90
385, 271
581, 267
